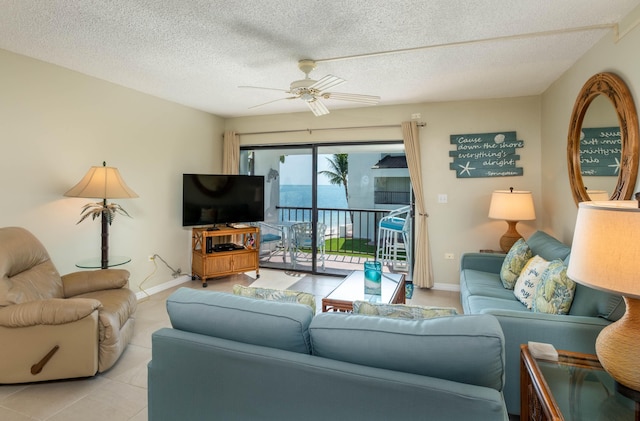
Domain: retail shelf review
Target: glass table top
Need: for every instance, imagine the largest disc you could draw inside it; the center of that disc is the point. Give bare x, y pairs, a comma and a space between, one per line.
584, 391
352, 288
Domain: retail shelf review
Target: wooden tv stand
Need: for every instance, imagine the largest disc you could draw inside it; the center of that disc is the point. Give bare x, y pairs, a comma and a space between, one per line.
207, 264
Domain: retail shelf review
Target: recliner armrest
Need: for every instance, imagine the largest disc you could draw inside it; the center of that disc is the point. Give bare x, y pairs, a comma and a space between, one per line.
54, 311
77, 283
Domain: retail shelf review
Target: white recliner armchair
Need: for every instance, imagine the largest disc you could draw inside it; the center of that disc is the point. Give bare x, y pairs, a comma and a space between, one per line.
56, 327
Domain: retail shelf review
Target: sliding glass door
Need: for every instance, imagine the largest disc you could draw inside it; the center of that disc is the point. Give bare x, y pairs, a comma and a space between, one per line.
323, 203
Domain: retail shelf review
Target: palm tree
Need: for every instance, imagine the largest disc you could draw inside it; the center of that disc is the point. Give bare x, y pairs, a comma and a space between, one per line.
340, 171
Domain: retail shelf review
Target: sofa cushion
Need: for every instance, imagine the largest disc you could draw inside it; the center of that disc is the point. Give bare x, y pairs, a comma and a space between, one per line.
554, 293
478, 304
547, 247
528, 281
282, 295
514, 262
401, 311
484, 283
467, 349
241, 319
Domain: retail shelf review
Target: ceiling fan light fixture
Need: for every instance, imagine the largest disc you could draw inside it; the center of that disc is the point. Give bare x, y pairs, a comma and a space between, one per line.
306, 95
311, 91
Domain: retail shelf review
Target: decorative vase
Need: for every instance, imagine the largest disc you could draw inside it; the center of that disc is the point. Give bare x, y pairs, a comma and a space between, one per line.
408, 288
372, 278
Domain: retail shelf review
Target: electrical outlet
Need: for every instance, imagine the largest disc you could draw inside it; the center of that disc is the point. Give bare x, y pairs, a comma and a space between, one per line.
152, 257
448, 256
443, 198
416, 116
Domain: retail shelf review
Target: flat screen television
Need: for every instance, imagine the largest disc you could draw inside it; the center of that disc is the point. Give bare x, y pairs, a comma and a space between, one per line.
213, 199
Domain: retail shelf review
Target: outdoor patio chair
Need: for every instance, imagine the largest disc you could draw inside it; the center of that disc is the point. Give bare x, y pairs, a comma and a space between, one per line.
272, 240
394, 238
302, 240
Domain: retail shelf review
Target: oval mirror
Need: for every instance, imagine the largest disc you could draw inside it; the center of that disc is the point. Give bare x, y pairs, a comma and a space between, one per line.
595, 147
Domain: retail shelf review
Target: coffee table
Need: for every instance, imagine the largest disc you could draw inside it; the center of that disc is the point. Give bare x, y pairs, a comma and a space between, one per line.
352, 289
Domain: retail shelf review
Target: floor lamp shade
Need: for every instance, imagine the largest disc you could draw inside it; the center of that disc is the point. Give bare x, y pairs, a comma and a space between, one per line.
604, 255
102, 183
511, 206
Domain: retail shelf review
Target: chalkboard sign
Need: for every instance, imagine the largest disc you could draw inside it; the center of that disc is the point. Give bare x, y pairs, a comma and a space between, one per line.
600, 151
485, 155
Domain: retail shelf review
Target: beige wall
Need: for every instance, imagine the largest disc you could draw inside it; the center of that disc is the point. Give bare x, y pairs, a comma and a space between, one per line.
55, 124
462, 224
557, 103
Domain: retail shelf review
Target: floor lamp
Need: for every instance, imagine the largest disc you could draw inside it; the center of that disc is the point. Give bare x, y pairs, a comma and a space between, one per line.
512, 206
605, 255
102, 183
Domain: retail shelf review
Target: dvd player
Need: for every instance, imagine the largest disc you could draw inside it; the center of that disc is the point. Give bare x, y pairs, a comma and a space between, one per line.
227, 247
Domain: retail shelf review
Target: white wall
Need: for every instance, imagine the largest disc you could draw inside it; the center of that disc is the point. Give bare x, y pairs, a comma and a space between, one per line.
557, 104
462, 224
55, 124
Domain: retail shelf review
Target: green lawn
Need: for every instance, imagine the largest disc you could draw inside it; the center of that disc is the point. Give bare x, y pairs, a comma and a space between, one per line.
359, 247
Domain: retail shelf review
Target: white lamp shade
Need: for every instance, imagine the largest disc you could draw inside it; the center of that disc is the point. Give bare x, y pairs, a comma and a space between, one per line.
512, 205
102, 183
606, 250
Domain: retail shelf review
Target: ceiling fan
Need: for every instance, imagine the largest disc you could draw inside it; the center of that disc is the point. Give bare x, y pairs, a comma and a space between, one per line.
312, 91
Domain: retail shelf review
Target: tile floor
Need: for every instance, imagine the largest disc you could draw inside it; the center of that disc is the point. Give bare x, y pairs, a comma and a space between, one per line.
121, 392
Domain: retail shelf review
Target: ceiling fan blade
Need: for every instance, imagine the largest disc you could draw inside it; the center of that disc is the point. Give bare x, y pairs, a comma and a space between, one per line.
275, 100
261, 87
366, 99
327, 82
317, 107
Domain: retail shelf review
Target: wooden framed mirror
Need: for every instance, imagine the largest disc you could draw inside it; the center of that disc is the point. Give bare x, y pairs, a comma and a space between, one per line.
616, 91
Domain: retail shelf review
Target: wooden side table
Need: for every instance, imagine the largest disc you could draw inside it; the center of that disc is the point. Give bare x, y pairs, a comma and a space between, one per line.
575, 387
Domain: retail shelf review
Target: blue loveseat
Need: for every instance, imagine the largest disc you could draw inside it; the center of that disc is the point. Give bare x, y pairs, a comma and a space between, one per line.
482, 292
230, 357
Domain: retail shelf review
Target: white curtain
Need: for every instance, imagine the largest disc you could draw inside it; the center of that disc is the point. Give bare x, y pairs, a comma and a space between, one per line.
231, 153
422, 268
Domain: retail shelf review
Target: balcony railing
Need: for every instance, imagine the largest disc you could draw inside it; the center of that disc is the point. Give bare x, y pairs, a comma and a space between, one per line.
349, 231
381, 197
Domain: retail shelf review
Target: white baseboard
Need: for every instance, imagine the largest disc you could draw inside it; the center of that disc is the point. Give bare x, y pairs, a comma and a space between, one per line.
166, 285
446, 287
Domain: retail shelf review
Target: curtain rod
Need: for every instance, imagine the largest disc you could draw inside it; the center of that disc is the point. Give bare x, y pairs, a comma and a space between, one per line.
310, 131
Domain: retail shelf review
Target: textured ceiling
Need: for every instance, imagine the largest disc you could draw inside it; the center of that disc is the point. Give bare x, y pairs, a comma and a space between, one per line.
197, 52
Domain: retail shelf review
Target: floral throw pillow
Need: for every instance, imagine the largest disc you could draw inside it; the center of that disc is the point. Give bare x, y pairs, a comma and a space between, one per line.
512, 265
528, 281
283, 295
401, 311
555, 291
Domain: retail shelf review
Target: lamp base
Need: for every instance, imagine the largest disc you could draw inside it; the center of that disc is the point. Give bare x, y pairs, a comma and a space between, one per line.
617, 347
509, 238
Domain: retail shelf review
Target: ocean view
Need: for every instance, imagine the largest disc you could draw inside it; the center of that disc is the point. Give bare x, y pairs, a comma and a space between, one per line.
329, 196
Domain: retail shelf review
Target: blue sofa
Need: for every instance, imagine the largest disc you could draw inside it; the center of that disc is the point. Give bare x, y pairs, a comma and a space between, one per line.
482, 292
237, 358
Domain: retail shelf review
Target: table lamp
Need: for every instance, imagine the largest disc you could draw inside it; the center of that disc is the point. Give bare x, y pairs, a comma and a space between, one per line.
604, 255
102, 183
512, 206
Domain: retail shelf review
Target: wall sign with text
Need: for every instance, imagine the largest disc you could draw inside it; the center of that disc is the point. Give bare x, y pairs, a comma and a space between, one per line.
600, 151
485, 155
